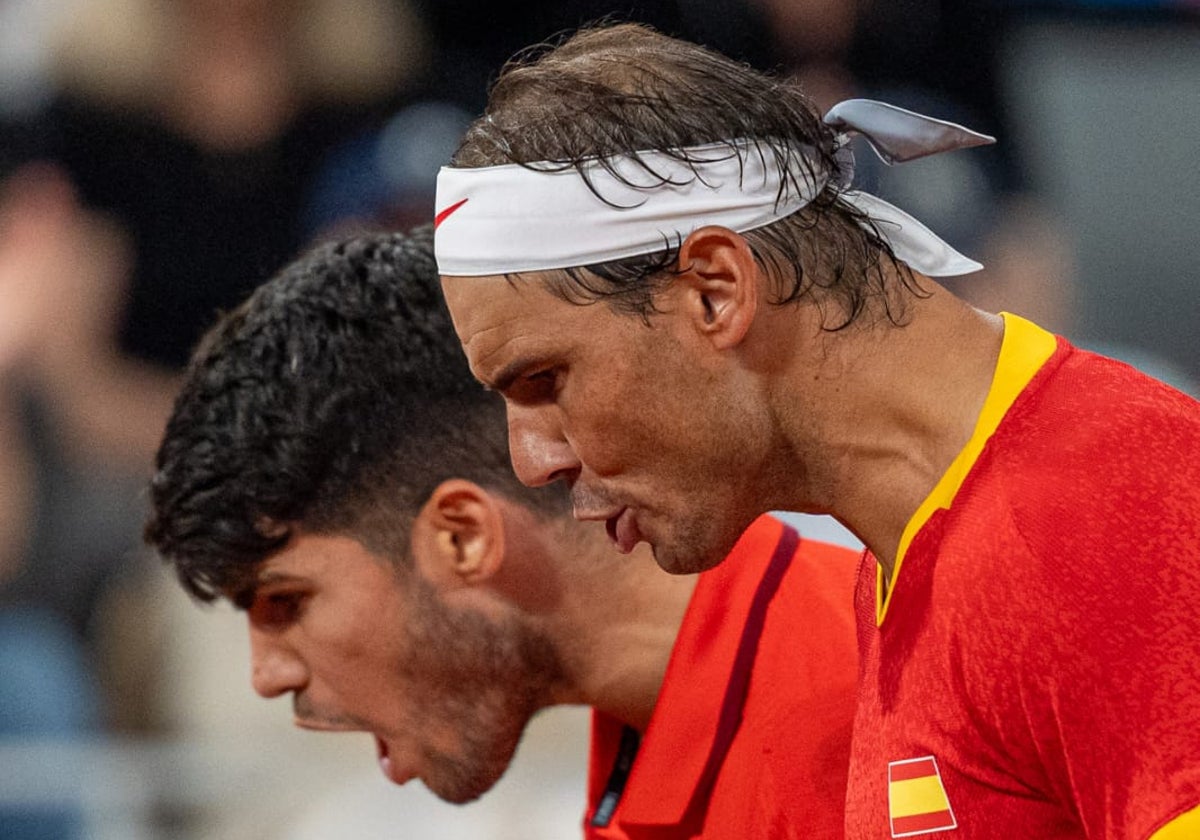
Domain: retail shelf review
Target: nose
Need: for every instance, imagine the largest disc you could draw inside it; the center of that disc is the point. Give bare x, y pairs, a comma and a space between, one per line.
538, 447
275, 668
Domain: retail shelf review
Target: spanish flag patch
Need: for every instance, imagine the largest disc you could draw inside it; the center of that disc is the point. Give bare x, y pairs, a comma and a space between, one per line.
917, 802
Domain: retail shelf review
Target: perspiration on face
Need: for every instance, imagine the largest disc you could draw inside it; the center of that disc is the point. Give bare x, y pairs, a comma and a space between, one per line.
639, 417
659, 437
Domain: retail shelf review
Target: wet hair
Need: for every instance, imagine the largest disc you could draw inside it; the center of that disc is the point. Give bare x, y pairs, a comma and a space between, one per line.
335, 399
612, 91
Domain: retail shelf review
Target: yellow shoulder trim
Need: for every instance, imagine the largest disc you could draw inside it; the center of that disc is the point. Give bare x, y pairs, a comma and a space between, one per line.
1184, 827
1025, 348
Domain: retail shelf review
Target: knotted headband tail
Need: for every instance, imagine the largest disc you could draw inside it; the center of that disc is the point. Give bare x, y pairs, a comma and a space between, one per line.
898, 135
513, 218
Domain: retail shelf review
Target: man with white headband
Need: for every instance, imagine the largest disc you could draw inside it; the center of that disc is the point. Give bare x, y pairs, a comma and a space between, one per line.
653, 253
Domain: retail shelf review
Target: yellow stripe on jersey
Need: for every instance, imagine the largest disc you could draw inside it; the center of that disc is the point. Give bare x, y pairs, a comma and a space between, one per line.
1184, 827
1024, 350
922, 795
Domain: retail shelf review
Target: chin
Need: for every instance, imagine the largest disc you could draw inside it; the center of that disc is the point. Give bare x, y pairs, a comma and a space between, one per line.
677, 562
460, 789
698, 547
459, 797
465, 779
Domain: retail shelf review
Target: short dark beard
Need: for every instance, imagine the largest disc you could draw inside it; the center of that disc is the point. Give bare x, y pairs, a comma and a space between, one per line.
489, 677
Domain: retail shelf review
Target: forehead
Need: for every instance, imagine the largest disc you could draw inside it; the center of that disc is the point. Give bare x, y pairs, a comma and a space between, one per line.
497, 319
478, 304
329, 559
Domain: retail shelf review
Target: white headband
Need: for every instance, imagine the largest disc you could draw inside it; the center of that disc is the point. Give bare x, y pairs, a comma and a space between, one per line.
514, 218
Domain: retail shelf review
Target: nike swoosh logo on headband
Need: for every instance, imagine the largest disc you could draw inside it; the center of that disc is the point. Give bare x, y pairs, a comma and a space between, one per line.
529, 218
441, 217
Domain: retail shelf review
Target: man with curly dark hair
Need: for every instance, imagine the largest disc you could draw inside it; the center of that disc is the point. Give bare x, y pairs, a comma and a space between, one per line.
332, 468
656, 255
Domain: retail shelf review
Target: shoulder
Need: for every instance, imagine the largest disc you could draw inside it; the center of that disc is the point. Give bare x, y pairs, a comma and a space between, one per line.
1092, 452
1083, 401
1088, 492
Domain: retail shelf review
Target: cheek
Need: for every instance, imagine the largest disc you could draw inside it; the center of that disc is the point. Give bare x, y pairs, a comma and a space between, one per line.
362, 656
606, 429
358, 669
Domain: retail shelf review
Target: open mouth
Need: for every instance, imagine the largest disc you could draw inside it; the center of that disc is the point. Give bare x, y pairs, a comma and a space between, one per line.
389, 767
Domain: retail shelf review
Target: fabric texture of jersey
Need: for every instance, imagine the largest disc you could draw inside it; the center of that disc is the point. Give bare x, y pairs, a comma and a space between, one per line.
1035, 669
750, 737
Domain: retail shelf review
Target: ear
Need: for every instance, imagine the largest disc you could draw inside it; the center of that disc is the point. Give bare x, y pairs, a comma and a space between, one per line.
720, 285
458, 536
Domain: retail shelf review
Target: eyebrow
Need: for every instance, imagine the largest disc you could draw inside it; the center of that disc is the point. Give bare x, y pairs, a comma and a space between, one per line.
509, 374
274, 577
244, 597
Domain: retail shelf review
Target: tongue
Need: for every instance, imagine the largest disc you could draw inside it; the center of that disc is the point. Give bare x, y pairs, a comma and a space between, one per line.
626, 532
385, 761
396, 773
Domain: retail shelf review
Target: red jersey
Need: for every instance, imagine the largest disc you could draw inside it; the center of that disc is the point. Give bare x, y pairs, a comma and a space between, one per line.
1034, 671
750, 737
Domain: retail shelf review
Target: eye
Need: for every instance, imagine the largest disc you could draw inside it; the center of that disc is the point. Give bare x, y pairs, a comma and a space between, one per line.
537, 386
276, 610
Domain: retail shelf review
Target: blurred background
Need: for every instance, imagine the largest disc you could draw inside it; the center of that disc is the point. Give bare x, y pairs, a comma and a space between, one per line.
160, 158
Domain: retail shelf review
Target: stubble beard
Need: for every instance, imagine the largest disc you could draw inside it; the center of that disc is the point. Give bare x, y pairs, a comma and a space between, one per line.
695, 545
484, 681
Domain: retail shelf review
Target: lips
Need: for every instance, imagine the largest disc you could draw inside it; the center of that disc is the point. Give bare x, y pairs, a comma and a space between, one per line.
315, 725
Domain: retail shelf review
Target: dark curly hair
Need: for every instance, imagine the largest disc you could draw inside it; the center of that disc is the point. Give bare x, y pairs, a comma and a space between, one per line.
335, 399
615, 90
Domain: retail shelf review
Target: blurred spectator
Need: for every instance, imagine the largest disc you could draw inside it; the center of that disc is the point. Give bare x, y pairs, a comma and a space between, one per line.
174, 149
184, 135
198, 125
174, 142
46, 690
25, 27
384, 178
1105, 109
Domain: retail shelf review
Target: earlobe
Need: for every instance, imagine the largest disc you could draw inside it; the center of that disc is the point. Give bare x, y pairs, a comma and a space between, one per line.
458, 536
720, 284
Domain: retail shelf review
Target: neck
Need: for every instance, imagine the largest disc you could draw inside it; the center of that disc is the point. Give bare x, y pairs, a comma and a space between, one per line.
616, 629
886, 410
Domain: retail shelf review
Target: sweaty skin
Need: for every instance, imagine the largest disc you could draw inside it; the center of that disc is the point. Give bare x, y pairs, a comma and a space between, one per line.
618, 408
681, 430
